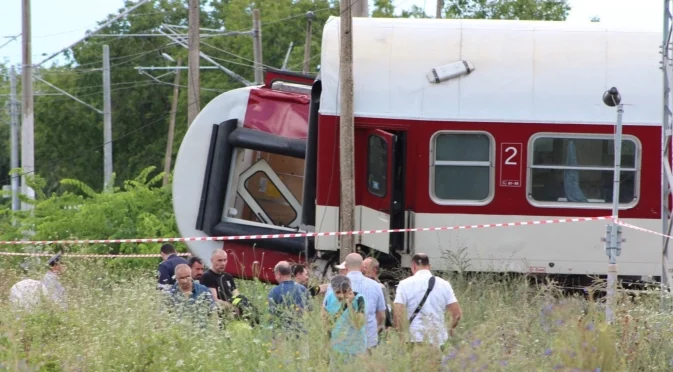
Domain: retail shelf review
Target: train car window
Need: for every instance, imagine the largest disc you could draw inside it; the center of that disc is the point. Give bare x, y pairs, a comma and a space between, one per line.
462, 168
577, 170
267, 190
377, 166
270, 199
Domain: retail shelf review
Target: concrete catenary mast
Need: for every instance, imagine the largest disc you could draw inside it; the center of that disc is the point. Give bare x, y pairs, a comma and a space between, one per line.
667, 181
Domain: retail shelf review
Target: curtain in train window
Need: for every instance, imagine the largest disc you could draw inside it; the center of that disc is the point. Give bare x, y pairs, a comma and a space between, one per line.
580, 170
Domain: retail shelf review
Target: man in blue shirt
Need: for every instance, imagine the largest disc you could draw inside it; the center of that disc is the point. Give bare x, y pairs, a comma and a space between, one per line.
170, 260
288, 299
375, 305
189, 299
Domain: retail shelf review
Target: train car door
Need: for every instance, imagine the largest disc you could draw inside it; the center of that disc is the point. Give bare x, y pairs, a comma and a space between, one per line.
378, 179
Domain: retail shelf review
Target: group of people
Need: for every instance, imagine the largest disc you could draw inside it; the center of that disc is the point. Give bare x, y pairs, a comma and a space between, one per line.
355, 305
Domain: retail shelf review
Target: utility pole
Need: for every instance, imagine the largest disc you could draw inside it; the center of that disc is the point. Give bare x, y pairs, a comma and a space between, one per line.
193, 85
14, 138
27, 119
257, 46
613, 236
310, 16
171, 123
107, 120
346, 131
359, 8
440, 8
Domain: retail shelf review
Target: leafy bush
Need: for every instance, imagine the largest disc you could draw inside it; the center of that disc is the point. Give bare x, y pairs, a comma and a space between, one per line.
139, 209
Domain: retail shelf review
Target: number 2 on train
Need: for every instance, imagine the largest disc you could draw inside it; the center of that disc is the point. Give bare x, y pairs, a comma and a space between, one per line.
510, 165
513, 151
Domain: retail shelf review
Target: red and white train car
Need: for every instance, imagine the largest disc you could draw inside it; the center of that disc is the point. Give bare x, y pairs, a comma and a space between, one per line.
517, 131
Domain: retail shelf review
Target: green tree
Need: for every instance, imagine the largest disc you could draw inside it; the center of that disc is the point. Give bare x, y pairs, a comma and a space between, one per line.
544, 10
415, 12
383, 9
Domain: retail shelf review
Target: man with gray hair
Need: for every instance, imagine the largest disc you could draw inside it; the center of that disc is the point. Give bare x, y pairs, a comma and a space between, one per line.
370, 269
288, 298
375, 305
190, 300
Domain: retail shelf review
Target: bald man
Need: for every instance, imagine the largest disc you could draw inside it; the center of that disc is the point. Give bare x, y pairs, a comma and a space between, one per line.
220, 283
185, 285
370, 269
188, 297
375, 305
288, 299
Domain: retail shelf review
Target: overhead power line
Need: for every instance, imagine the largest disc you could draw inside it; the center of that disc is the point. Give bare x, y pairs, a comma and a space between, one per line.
120, 15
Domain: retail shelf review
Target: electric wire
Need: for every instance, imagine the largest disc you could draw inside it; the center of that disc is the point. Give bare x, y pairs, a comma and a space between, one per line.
149, 83
50, 165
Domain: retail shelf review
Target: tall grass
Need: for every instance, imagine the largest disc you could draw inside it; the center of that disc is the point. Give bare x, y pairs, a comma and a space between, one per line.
115, 322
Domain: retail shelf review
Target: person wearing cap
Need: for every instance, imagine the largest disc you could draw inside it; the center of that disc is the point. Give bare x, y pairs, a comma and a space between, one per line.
342, 268
52, 284
169, 260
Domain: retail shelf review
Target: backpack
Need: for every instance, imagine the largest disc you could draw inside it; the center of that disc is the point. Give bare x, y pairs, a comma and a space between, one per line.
246, 310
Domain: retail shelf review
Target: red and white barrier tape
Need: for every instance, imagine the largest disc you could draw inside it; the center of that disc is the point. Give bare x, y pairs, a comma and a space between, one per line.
87, 255
618, 222
274, 236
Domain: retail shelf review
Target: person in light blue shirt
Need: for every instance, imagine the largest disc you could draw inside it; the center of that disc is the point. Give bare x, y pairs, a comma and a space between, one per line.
375, 305
346, 318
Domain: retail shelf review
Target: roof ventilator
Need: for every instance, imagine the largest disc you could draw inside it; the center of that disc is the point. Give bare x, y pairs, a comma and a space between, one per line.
291, 87
449, 71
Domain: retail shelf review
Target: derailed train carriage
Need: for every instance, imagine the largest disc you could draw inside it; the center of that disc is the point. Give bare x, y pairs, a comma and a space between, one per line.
457, 122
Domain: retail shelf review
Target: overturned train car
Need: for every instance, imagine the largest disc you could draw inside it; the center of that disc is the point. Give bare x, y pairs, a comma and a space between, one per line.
457, 122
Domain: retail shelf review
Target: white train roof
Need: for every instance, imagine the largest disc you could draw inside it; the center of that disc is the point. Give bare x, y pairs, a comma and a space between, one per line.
525, 71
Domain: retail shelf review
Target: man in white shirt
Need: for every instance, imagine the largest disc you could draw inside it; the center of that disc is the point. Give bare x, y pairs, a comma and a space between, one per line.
426, 320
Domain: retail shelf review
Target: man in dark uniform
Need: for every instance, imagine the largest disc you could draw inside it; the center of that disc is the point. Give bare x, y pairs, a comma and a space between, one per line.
220, 283
170, 260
